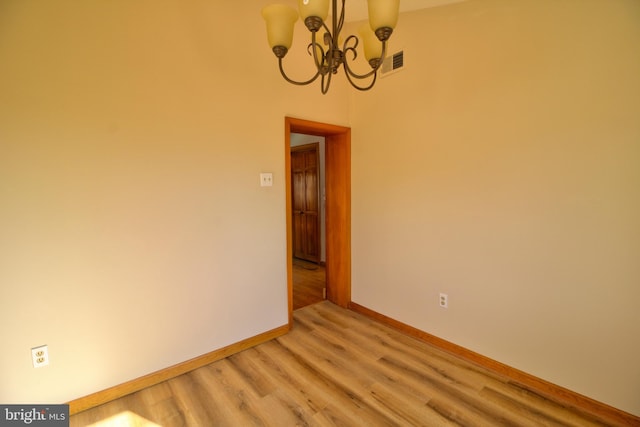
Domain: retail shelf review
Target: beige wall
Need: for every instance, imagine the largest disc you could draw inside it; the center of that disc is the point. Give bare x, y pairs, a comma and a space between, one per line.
133, 231
502, 167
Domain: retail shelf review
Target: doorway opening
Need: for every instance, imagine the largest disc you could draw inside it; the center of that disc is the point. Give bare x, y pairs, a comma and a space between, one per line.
337, 159
308, 219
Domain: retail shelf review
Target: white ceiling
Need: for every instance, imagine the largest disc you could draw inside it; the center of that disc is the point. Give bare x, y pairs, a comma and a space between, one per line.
356, 10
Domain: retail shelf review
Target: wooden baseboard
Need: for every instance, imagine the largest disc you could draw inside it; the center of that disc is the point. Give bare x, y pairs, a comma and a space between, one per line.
553, 391
104, 396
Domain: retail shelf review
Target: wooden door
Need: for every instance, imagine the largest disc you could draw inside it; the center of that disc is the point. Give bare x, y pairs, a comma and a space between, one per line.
305, 202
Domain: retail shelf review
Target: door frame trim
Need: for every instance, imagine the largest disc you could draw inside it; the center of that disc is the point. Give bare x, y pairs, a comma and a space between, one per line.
337, 207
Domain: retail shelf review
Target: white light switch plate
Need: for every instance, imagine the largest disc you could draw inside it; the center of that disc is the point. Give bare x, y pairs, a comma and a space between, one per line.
266, 179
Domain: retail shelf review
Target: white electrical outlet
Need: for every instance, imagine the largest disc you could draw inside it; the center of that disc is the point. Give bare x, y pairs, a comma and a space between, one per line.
444, 300
40, 356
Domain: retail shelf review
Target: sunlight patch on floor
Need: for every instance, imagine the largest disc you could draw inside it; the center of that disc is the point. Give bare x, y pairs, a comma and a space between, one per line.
125, 419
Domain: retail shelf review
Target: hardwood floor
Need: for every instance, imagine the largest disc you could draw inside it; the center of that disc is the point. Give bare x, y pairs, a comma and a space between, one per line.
336, 368
309, 281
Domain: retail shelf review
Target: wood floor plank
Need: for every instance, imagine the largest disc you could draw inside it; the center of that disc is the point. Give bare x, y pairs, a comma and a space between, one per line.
252, 374
523, 400
440, 373
350, 399
195, 401
535, 416
338, 368
279, 365
411, 408
384, 340
396, 381
451, 391
309, 281
301, 381
285, 409
239, 402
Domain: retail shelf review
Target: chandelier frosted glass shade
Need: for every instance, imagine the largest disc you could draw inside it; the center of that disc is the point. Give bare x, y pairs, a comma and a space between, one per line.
383, 13
371, 44
280, 20
319, 8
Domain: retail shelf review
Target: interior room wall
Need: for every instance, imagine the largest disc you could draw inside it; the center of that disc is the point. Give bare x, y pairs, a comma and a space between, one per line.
501, 167
134, 233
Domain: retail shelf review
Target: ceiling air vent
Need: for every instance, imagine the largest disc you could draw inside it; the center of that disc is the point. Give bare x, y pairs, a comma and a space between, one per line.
392, 64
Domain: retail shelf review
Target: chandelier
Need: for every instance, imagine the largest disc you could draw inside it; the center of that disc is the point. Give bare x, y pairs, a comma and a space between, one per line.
327, 55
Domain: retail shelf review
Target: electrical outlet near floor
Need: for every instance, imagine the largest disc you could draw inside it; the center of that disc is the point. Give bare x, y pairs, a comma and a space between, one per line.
444, 300
40, 356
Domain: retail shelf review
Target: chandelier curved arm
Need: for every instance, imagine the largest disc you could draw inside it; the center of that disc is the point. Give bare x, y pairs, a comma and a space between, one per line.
325, 82
354, 83
346, 48
306, 82
318, 61
352, 76
340, 21
315, 50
